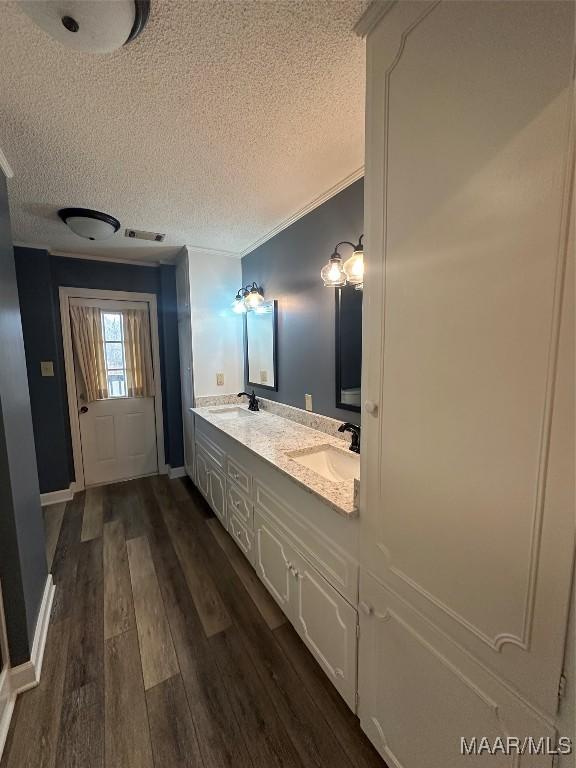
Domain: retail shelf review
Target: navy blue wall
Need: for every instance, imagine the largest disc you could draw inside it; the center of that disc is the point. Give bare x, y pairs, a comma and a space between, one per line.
23, 567
288, 267
39, 278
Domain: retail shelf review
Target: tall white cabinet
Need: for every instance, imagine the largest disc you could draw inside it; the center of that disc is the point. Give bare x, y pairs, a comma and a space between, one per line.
467, 507
185, 349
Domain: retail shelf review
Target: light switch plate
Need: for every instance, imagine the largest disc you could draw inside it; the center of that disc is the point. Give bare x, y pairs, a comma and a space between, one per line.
308, 402
47, 368
219, 379
263, 377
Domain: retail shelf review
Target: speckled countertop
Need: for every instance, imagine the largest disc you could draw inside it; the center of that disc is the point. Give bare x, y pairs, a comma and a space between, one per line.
271, 438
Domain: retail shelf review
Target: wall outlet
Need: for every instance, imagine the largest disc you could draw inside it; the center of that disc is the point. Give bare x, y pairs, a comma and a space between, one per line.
219, 379
47, 368
308, 402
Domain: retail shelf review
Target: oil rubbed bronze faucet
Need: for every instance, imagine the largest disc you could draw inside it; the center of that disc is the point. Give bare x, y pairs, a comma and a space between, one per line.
252, 400
354, 430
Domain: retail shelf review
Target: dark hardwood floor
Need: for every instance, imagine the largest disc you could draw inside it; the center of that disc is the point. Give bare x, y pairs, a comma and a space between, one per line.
165, 650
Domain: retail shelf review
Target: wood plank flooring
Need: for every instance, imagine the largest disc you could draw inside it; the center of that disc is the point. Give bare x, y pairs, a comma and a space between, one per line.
165, 651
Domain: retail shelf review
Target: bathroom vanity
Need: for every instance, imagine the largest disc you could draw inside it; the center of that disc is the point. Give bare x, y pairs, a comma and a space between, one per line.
285, 494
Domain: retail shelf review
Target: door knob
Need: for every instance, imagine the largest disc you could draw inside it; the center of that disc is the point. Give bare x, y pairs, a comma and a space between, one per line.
84, 409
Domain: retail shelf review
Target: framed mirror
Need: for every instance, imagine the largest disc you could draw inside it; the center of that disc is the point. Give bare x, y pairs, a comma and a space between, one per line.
348, 347
260, 345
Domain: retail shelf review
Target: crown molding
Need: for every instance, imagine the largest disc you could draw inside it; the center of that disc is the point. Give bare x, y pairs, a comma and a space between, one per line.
315, 203
371, 16
97, 257
5, 165
201, 250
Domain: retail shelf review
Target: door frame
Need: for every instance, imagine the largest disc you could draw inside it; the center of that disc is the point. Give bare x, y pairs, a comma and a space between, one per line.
66, 294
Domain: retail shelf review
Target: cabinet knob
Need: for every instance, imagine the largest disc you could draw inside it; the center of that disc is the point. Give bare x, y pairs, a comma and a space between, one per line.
371, 407
339, 672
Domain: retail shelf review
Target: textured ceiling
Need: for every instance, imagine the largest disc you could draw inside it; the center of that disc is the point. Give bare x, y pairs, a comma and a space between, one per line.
221, 121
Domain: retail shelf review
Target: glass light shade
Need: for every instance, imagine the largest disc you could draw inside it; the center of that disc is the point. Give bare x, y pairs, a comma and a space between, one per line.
238, 305
333, 273
253, 299
93, 225
354, 268
91, 229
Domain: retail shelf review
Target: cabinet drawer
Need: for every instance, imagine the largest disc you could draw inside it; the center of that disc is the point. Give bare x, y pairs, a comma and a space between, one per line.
211, 449
240, 476
240, 505
242, 536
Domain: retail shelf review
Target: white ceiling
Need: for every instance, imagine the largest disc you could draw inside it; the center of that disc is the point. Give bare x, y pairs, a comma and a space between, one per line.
220, 122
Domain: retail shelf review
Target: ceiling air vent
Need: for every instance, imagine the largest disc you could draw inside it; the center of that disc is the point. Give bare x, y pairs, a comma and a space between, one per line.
140, 234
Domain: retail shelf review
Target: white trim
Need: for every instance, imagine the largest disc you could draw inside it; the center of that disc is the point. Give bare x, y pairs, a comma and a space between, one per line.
97, 257
175, 472
203, 251
57, 497
341, 185
27, 675
371, 16
90, 293
5, 681
5, 165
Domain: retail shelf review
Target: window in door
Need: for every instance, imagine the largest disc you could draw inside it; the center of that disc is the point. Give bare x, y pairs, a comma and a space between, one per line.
114, 354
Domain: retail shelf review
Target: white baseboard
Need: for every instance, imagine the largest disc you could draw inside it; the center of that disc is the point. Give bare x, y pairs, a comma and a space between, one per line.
25, 676
175, 472
6, 715
57, 497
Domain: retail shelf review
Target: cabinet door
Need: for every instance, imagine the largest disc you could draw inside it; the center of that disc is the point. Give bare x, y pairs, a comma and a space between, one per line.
202, 474
467, 495
217, 492
328, 626
274, 560
418, 698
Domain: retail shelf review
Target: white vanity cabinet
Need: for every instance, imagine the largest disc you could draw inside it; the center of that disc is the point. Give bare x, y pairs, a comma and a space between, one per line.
304, 552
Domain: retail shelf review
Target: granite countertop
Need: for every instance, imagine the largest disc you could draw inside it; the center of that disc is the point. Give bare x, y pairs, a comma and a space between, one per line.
271, 437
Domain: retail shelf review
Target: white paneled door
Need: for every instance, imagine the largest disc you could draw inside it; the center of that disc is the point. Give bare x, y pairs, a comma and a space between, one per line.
118, 439
118, 433
467, 512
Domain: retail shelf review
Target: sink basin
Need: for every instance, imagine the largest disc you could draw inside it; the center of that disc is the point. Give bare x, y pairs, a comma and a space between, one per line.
232, 412
332, 463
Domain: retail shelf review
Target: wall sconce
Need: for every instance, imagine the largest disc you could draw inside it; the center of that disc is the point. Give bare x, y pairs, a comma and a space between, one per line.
336, 274
249, 297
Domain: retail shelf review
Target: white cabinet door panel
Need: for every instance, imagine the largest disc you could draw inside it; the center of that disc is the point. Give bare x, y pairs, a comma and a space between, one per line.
217, 494
327, 624
274, 558
202, 470
417, 699
467, 501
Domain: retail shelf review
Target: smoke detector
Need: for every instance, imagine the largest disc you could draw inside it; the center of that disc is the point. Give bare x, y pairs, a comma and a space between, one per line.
91, 26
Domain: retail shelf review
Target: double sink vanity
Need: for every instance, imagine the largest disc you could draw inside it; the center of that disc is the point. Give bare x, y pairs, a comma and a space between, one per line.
285, 493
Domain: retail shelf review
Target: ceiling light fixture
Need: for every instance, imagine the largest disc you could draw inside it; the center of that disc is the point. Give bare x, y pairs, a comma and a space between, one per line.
93, 225
249, 297
90, 26
336, 274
